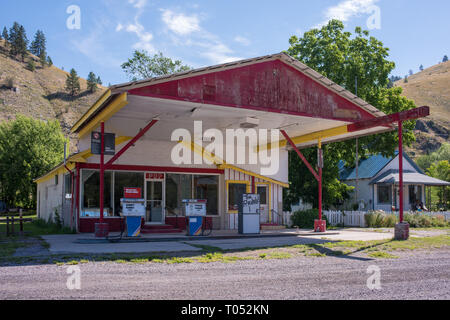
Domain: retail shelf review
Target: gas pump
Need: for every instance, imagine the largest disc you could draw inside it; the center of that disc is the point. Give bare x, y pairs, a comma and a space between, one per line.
195, 212
133, 209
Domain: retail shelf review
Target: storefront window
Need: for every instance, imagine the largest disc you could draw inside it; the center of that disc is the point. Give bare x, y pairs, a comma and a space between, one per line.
124, 180
384, 194
178, 188
91, 193
206, 188
235, 192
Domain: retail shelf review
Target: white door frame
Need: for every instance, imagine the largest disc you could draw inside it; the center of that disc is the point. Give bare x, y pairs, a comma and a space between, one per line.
163, 204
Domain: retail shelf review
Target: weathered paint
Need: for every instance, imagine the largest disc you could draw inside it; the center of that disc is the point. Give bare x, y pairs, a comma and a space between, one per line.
271, 86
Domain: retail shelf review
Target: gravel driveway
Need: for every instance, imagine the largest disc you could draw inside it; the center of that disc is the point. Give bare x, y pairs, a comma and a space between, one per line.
415, 275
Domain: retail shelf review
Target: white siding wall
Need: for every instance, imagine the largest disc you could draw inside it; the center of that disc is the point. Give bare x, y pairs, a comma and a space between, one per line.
50, 197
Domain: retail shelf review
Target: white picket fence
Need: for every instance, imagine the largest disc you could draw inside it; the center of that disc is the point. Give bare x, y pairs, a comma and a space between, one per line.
356, 218
351, 218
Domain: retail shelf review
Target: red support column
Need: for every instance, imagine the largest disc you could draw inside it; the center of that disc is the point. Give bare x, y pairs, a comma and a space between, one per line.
102, 229
402, 228
102, 170
400, 168
78, 196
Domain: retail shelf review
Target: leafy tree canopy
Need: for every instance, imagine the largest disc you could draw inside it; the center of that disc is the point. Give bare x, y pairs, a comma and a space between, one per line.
348, 60
29, 148
142, 66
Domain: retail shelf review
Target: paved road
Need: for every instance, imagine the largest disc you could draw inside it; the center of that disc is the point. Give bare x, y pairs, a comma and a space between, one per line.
413, 276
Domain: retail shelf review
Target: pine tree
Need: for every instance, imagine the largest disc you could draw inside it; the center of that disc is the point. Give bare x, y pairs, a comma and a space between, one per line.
5, 36
73, 83
421, 67
18, 41
49, 61
38, 46
99, 81
445, 59
92, 82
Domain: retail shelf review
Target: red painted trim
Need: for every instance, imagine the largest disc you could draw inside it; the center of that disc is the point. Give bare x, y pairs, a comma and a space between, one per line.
221, 104
289, 140
400, 168
386, 120
102, 170
131, 143
78, 195
123, 167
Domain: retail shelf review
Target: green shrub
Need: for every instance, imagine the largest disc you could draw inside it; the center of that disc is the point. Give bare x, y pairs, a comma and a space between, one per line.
425, 221
380, 220
305, 219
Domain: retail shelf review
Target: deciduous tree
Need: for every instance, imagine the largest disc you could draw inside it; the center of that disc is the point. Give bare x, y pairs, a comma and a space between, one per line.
29, 148
142, 66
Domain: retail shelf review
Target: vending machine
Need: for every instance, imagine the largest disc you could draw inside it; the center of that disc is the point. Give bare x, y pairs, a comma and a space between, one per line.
249, 214
133, 209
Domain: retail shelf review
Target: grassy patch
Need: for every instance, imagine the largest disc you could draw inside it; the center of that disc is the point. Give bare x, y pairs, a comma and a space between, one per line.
382, 255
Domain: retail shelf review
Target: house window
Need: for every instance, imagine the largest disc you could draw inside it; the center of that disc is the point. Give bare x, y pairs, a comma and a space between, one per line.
56, 180
262, 191
235, 192
384, 194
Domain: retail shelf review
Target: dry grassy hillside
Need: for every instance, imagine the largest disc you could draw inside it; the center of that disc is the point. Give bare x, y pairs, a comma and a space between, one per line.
40, 94
430, 87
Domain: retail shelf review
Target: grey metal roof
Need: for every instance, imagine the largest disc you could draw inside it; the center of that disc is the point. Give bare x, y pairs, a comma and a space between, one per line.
392, 177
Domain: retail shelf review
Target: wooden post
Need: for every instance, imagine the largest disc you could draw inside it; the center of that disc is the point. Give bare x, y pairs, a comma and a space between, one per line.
7, 226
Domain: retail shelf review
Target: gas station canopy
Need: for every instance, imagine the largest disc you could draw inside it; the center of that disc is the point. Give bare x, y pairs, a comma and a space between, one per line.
274, 92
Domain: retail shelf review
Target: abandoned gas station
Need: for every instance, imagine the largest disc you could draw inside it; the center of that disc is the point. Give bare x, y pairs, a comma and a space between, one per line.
274, 92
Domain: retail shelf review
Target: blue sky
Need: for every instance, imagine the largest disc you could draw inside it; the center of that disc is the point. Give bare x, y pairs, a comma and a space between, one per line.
208, 32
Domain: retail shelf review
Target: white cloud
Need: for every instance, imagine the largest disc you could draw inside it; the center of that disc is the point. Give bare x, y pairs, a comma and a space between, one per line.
180, 23
145, 37
347, 9
138, 3
185, 30
242, 40
119, 27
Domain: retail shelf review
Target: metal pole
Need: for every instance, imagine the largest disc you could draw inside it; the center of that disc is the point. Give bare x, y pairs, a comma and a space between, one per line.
102, 169
320, 163
400, 167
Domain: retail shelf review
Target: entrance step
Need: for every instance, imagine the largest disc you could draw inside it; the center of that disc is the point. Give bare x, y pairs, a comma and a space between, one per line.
272, 226
159, 228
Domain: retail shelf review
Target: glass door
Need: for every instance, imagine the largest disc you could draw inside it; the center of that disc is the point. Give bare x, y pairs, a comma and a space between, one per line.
155, 203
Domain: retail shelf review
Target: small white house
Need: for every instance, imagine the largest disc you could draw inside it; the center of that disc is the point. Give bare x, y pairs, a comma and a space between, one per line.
377, 183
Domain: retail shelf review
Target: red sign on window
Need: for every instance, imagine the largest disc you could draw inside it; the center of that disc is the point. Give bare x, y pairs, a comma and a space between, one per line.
132, 193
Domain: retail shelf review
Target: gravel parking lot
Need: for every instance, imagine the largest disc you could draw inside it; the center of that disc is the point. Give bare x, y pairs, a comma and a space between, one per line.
414, 275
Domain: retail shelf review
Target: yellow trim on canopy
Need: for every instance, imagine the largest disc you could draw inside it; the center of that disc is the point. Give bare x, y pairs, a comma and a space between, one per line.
91, 110
221, 164
309, 137
116, 105
80, 157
